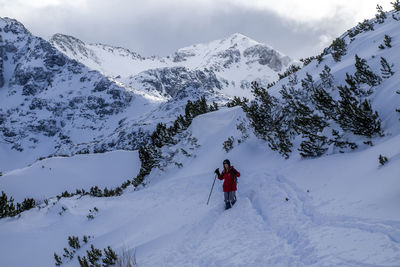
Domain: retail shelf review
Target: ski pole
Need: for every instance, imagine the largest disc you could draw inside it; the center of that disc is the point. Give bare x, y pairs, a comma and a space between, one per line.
212, 188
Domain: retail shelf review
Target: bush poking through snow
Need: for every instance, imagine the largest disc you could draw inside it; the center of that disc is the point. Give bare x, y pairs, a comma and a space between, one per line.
381, 15
228, 144
92, 213
307, 60
388, 41
57, 259
73, 242
94, 256
68, 254
386, 69
382, 160
110, 257
86, 239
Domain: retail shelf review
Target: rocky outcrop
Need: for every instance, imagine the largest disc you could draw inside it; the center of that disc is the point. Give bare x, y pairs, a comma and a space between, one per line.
171, 81
266, 56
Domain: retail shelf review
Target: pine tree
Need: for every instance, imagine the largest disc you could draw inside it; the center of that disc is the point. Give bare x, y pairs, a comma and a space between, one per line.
203, 105
260, 110
310, 126
266, 121
357, 116
293, 79
355, 88
327, 80
396, 5
213, 106
364, 73
365, 26
313, 146
338, 141
382, 159
57, 259
180, 124
189, 112
96, 191
110, 258
387, 41
237, 101
307, 60
279, 140
27, 204
73, 242
290, 70
161, 136
68, 254
149, 157
338, 49
381, 15
94, 255
386, 68
308, 84
7, 207
83, 262
320, 58
325, 103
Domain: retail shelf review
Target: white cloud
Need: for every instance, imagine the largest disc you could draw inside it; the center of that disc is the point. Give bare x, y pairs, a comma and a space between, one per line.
315, 10
299, 28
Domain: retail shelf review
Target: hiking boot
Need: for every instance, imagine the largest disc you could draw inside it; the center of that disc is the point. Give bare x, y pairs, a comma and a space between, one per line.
228, 205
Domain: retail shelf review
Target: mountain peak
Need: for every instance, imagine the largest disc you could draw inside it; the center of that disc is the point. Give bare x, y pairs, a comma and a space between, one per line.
64, 37
8, 24
239, 37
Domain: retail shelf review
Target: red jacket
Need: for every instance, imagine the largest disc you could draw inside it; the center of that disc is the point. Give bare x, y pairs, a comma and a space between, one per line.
229, 179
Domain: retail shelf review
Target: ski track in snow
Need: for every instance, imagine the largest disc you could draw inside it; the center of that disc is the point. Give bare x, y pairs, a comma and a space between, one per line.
292, 224
265, 233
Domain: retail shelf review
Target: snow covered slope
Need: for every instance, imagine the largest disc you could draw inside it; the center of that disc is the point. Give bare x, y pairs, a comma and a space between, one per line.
235, 61
50, 104
358, 82
49, 177
169, 223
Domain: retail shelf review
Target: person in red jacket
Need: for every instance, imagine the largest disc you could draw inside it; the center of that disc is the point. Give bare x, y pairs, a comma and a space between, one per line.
229, 175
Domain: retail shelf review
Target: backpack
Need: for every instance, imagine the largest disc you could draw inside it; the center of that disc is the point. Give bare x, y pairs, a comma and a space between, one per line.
234, 176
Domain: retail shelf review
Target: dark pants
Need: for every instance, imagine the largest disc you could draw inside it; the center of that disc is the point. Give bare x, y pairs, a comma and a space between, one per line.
230, 197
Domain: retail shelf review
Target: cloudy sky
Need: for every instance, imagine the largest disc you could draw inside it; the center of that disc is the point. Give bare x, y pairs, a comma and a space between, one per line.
159, 27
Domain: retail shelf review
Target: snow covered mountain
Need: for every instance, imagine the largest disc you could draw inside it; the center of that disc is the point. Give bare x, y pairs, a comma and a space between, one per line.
339, 208
48, 99
232, 63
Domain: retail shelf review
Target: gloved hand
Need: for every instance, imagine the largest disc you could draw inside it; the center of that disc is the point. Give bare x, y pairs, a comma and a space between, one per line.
217, 172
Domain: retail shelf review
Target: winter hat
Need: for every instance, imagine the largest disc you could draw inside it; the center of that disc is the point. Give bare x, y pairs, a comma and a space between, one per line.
227, 162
